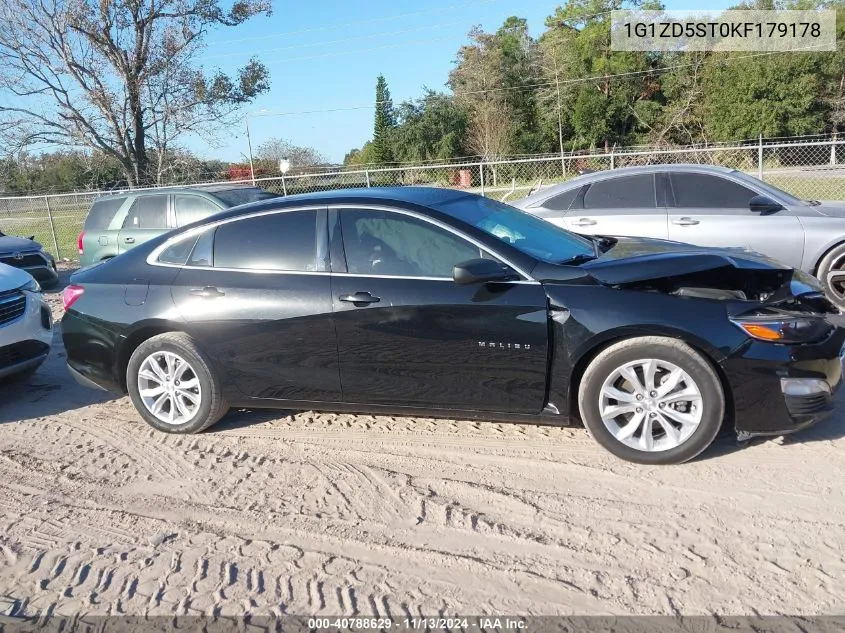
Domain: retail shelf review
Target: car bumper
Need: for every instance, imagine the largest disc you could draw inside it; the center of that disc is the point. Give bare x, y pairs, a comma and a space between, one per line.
91, 352
25, 342
40, 265
780, 389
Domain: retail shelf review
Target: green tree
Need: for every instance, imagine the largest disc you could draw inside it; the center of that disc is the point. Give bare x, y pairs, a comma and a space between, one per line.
477, 83
429, 128
605, 109
777, 95
385, 120
520, 70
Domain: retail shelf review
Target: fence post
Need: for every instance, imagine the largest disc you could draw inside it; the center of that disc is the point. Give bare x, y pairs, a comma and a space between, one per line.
760, 158
367, 174
52, 227
481, 173
612, 158
833, 150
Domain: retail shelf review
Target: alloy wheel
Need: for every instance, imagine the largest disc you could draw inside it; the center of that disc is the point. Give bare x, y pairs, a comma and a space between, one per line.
650, 405
169, 388
835, 280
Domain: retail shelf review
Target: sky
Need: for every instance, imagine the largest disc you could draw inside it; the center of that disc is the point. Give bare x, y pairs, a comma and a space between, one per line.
327, 54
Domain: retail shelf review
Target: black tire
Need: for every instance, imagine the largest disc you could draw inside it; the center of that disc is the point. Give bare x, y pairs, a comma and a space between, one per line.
662, 349
834, 260
212, 405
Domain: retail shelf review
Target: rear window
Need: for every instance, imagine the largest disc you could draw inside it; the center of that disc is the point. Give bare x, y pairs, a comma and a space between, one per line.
101, 214
243, 195
562, 201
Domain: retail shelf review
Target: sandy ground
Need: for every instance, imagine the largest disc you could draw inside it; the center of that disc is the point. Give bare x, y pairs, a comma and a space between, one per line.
310, 513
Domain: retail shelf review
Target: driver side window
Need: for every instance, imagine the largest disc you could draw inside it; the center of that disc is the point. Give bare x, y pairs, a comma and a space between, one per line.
386, 243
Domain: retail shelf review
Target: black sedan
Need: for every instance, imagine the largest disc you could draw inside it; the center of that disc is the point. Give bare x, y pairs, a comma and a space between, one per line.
440, 302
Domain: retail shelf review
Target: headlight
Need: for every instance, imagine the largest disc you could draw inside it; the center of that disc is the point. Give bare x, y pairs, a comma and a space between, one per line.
790, 330
31, 286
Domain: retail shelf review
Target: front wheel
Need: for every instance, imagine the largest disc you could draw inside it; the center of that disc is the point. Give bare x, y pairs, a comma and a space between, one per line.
652, 400
831, 274
173, 385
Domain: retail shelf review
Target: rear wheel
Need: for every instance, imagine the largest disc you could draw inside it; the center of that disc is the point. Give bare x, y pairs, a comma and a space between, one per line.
173, 385
831, 274
652, 400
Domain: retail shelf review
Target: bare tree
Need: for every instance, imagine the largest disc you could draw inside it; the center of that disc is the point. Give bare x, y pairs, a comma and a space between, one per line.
117, 76
275, 149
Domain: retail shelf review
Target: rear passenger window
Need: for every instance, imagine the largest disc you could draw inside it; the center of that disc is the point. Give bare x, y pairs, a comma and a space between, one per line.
178, 252
101, 214
563, 201
147, 212
627, 192
203, 253
192, 208
278, 241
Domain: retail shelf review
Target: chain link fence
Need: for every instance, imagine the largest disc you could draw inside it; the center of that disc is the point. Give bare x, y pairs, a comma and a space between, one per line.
807, 169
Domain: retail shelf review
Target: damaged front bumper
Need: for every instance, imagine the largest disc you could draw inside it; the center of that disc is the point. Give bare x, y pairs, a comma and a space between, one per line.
780, 389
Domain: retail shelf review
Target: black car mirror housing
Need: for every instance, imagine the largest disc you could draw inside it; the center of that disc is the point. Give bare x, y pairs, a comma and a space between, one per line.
477, 271
764, 204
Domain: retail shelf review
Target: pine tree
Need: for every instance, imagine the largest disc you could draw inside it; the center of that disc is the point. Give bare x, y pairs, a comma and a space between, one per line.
385, 120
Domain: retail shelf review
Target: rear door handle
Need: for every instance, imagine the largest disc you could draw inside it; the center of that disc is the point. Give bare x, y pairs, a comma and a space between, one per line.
360, 297
209, 292
583, 222
129, 240
685, 222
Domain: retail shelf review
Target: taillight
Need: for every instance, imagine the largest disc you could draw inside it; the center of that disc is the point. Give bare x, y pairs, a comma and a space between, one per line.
79, 243
70, 295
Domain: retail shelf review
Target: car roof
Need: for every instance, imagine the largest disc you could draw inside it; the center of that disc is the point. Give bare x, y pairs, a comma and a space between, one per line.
578, 181
233, 186
421, 196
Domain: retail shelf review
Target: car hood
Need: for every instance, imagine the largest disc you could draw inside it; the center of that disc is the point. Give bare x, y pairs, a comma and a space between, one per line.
11, 277
830, 208
677, 268
633, 259
10, 244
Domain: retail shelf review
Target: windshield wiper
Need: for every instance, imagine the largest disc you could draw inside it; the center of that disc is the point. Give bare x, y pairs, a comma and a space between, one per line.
580, 258
813, 203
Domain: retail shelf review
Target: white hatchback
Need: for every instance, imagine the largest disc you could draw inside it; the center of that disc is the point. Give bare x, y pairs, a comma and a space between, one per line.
26, 323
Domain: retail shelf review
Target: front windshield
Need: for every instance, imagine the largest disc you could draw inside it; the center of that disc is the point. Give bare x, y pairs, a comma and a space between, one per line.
788, 198
528, 233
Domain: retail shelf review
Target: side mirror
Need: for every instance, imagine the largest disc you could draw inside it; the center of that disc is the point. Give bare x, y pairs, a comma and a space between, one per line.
763, 205
479, 271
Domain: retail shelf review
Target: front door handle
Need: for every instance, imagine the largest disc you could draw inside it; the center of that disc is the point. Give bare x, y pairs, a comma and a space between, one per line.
129, 240
209, 292
360, 297
685, 222
583, 222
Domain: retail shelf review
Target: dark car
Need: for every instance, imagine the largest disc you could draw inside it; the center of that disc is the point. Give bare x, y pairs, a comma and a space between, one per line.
119, 222
440, 302
27, 254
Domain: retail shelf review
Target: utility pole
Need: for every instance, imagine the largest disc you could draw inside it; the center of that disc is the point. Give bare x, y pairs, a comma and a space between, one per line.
559, 120
249, 145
